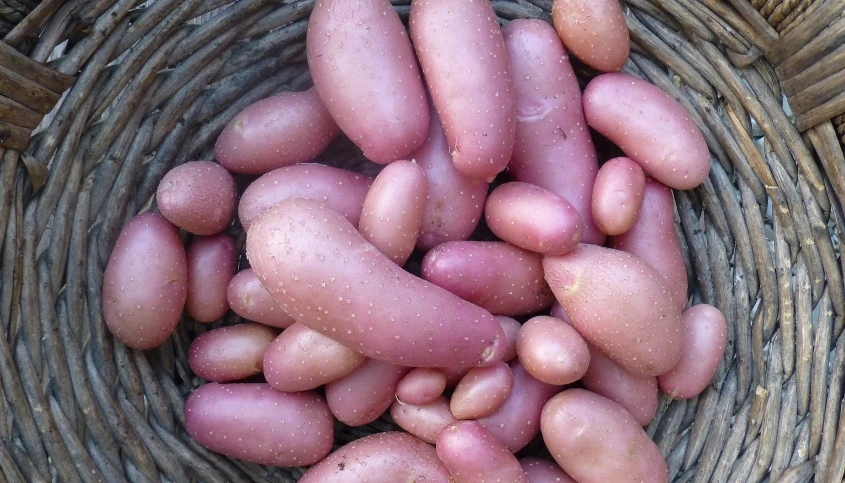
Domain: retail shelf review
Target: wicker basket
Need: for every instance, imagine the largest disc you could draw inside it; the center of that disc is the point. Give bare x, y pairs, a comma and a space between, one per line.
153, 83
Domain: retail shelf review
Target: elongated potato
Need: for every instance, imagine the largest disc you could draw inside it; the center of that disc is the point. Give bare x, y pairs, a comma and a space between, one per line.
594, 31
322, 272
706, 334
198, 197
421, 386
651, 128
145, 283
595, 440
249, 299
473, 454
465, 63
552, 351
344, 191
259, 424
281, 130
542, 471
230, 353
363, 66
425, 421
599, 287
383, 457
553, 147
498, 276
637, 394
511, 328
211, 266
618, 195
364, 394
482, 391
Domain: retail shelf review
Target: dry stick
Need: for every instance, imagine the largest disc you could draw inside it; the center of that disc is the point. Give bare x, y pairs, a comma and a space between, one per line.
281, 17
24, 463
97, 33
688, 21
817, 84
802, 473
667, 432
144, 21
271, 44
8, 468
153, 393
702, 425
59, 235
824, 245
685, 252
30, 331
509, 10
733, 445
7, 193
790, 43
18, 114
832, 411
755, 417
689, 222
27, 92
32, 23
13, 274
757, 22
112, 473
771, 417
802, 444
100, 346
105, 171
76, 262
55, 32
128, 376
786, 432
829, 152
723, 32
807, 58
663, 403
804, 335
747, 358
676, 457
818, 384
717, 434
822, 113
783, 263
84, 465
839, 223
722, 285
762, 37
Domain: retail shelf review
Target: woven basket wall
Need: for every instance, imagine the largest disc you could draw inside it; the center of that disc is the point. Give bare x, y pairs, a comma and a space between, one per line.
151, 86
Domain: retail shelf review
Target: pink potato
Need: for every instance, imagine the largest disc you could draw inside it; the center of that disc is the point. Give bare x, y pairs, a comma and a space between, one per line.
230, 353
212, 262
542, 471
259, 424
482, 391
553, 147
502, 278
637, 394
301, 359
652, 238
704, 345
382, 457
599, 288
618, 195
594, 31
552, 351
393, 210
473, 454
511, 328
595, 440
281, 130
198, 197
533, 218
421, 386
364, 68
344, 191
465, 63
249, 299
364, 394
322, 272
651, 128
425, 421
145, 283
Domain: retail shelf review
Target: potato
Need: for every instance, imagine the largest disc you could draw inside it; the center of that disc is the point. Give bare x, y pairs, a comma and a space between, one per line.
465, 64
425, 421
553, 147
552, 351
651, 128
598, 287
533, 218
259, 424
482, 391
322, 272
637, 394
211, 265
230, 353
249, 299
421, 386
301, 359
198, 197
706, 335
542, 471
498, 276
380, 458
511, 328
145, 283
393, 210
455, 374
618, 195
595, 440
281, 130
363, 66
594, 31
473, 454
344, 191
364, 394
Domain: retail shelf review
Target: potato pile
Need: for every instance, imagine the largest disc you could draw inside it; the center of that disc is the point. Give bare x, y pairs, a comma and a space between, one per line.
564, 321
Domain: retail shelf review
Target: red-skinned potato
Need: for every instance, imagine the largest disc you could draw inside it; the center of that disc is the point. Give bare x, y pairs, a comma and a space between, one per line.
387, 457
393, 210
465, 63
198, 197
482, 391
511, 328
249, 299
281, 130
651, 128
230, 353
706, 335
533, 218
542, 471
637, 394
322, 272
421, 386
425, 421
259, 424
618, 195
473, 454
595, 440
363, 66
364, 394
552, 351
342, 190
594, 31
599, 287
554, 149
212, 262
145, 283
502, 278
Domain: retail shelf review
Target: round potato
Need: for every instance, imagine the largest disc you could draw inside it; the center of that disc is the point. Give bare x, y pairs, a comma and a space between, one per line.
421, 386
198, 197
364, 394
552, 351
594, 31
473, 454
230, 353
212, 262
706, 335
618, 195
637, 394
249, 299
482, 391
425, 421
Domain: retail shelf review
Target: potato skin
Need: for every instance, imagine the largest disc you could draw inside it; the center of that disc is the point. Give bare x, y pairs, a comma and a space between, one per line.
322, 272
635, 115
211, 266
281, 130
473, 454
595, 440
230, 353
463, 57
552, 351
363, 66
482, 391
542, 471
706, 335
511, 328
618, 195
421, 386
637, 394
145, 283
198, 197
364, 394
249, 299
425, 421
594, 31
271, 428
